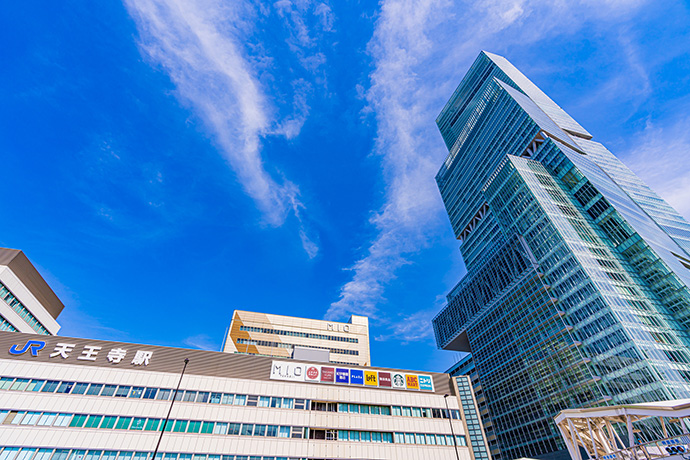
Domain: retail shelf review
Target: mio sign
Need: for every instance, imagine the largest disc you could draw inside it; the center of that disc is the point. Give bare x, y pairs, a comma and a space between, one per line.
280, 370
338, 327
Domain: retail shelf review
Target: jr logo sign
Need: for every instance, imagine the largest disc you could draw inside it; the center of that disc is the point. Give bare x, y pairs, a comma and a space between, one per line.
34, 345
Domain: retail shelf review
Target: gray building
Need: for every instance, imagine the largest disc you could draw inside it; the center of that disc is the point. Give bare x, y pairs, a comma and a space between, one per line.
576, 292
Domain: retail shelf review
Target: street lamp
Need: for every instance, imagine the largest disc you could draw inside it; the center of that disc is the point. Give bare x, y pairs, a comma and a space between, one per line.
450, 420
167, 417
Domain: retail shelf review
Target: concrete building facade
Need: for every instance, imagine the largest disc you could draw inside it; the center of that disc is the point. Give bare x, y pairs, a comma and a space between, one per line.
65, 398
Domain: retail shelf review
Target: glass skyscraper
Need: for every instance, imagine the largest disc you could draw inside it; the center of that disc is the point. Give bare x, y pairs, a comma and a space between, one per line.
578, 274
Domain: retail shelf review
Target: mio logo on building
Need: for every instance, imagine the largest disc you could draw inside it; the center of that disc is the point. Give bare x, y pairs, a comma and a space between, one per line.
32, 345
338, 327
287, 371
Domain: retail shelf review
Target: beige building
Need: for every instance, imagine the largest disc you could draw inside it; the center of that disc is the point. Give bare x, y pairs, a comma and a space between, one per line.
285, 336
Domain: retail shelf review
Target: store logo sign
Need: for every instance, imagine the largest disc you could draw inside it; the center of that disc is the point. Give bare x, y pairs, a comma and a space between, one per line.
312, 373
67, 351
371, 378
398, 381
315, 373
342, 376
287, 371
425, 383
33, 345
356, 377
385, 379
327, 374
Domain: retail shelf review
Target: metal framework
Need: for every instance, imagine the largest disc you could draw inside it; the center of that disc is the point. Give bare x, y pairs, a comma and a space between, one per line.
596, 430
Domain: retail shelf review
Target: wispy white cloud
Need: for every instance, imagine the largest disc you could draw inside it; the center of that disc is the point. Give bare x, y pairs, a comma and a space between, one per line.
291, 126
307, 23
658, 155
411, 208
417, 48
325, 14
202, 342
201, 46
410, 328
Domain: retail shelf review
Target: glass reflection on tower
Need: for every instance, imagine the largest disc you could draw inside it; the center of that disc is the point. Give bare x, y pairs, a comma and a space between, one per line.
576, 292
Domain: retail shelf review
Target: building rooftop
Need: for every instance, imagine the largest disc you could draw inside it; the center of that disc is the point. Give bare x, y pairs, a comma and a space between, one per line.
27, 273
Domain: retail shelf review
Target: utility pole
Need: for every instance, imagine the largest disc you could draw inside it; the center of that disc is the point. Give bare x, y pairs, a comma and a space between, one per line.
450, 420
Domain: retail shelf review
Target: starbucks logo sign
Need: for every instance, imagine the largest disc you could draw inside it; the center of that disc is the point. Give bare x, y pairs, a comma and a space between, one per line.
398, 381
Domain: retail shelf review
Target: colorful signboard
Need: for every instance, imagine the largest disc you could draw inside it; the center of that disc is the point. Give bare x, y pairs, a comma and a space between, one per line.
312, 373
371, 378
398, 381
356, 377
425, 383
299, 372
327, 374
342, 376
385, 379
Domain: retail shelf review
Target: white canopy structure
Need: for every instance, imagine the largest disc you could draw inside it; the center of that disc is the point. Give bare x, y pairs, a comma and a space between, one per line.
593, 430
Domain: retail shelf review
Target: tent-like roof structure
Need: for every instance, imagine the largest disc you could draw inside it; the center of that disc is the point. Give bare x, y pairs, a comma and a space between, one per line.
593, 429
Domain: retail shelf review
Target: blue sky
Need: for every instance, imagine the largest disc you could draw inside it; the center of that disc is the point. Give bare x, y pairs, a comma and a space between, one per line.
167, 162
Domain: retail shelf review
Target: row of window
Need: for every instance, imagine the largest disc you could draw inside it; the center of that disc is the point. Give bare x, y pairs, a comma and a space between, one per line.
21, 310
165, 394
114, 422
388, 438
290, 346
31, 453
161, 394
308, 335
30, 418
404, 411
6, 326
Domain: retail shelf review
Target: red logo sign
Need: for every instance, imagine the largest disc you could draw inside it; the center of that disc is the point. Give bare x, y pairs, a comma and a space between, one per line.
384, 379
312, 373
327, 374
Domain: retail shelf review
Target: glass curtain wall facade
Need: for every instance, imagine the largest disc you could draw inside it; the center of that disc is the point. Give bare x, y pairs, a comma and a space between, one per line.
576, 292
465, 367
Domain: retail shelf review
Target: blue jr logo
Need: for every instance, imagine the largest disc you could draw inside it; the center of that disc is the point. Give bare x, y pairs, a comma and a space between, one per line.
34, 345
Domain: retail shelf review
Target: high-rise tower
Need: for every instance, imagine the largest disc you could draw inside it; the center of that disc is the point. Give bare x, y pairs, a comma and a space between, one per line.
577, 286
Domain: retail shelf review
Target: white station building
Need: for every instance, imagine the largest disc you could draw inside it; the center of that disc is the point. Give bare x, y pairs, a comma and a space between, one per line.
27, 303
65, 398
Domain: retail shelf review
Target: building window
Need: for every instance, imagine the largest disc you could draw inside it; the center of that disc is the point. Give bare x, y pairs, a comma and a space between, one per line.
93, 421
152, 424
21, 310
